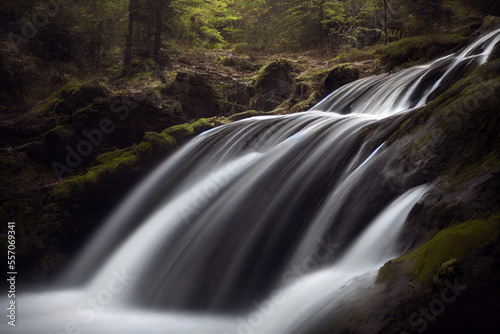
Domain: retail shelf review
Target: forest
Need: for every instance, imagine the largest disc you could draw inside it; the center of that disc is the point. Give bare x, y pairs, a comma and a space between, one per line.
106, 33
279, 130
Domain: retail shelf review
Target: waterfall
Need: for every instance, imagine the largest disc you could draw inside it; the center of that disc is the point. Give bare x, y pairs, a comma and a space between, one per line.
298, 207
308, 295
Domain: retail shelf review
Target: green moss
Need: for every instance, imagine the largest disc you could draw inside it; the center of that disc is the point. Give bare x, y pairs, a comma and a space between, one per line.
452, 107
420, 48
180, 131
353, 54
184, 131
116, 164
456, 242
73, 96
312, 78
143, 75
281, 67
63, 133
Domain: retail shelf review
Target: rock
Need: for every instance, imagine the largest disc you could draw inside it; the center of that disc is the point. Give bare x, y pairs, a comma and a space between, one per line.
73, 96
421, 48
339, 76
247, 114
495, 54
448, 271
127, 118
196, 96
272, 85
490, 23
186, 131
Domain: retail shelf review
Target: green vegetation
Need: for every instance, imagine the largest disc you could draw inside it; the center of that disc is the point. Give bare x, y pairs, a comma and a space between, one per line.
164, 71
420, 48
454, 243
102, 34
185, 131
73, 96
116, 164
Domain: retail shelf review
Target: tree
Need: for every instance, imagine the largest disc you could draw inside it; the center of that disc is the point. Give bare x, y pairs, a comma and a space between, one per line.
132, 13
386, 33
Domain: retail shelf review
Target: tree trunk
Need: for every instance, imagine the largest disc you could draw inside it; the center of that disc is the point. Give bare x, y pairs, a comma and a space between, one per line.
157, 45
321, 18
127, 57
386, 40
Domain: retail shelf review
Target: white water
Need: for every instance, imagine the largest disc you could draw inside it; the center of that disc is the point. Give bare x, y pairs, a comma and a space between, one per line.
225, 216
99, 310
368, 253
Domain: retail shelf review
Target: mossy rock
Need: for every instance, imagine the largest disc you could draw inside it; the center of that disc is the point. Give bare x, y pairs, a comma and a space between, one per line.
339, 76
248, 114
420, 48
116, 166
273, 71
72, 97
490, 23
183, 132
272, 85
451, 244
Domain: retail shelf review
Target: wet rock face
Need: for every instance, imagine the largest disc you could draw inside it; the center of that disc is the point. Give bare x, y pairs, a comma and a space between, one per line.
272, 85
451, 236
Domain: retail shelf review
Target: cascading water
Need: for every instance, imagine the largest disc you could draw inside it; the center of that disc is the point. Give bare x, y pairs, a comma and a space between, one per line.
277, 216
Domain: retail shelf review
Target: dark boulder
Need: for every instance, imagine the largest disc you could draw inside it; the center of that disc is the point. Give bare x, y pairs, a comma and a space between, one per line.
195, 94
272, 85
339, 76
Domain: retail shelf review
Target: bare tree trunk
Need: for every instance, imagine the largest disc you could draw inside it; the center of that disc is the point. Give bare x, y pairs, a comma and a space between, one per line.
127, 57
385, 23
157, 45
321, 17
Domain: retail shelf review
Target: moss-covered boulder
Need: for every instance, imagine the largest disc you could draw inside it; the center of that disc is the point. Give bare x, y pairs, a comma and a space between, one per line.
113, 121
272, 85
186, 131
420, 48
337, 77
73, 96
115, 168
311, 87
453, 232
449, 276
